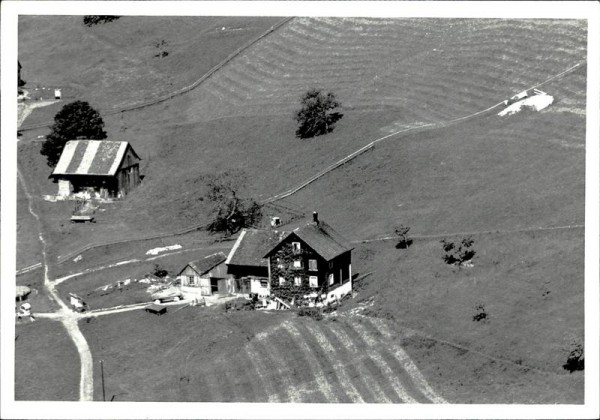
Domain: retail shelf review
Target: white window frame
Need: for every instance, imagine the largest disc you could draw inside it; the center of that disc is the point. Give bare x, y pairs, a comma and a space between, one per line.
313, 281
331, 279
297, 281
297, 264
281, 281
312, 265
296, 247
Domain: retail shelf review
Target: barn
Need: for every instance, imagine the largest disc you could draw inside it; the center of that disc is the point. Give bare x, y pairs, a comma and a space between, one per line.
246, 263
102, 168
208, 274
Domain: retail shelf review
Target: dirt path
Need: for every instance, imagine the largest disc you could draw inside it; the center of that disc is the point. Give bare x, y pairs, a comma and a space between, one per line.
184, 89
25, 108
66, 316
133, 261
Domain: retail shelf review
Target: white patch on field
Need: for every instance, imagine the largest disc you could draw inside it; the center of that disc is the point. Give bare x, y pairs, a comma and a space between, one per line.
156, 251
535, 103
77, 258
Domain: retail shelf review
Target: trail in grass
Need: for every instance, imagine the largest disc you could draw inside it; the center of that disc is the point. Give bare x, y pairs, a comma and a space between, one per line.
325, 171
475, 232
430, 126
132, 261
184, 89
86, 383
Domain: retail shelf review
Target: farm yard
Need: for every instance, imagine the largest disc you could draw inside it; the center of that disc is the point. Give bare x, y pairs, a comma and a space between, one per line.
410, 333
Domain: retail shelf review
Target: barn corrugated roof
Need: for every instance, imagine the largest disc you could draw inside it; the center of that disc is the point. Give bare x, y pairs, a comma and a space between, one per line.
205, 264
91, 157
252, 245
322, 238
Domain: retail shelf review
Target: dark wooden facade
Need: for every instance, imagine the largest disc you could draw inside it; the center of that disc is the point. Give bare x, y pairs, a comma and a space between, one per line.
295, 269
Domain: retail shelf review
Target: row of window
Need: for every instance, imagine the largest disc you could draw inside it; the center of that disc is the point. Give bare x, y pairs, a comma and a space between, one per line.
313, 281
312, 264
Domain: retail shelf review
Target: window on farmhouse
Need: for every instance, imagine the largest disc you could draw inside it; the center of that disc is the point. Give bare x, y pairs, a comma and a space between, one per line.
312, 265
313, 281
296, 247
297, 264
281, 281
297, 281
331, 279
264, 283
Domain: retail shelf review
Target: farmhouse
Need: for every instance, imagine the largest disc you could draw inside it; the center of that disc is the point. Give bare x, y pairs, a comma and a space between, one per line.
312, 261
246, 262
209, 274
102, 168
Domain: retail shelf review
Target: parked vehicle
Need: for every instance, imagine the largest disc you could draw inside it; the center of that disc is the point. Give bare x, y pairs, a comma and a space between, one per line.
176, 297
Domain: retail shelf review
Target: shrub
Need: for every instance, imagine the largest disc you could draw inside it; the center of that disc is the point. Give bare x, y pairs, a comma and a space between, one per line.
458, 252
480, 314
317, 116
314, 313
91, 20
575, 361
403, 240
159, 271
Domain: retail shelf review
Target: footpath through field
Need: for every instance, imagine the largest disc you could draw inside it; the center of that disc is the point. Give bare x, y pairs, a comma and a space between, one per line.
66, 316
424, 127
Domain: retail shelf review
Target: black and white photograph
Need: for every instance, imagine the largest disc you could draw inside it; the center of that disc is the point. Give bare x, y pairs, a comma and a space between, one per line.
300, 209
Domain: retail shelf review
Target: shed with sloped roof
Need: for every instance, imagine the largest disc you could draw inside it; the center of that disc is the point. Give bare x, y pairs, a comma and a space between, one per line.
209, 274
104, 168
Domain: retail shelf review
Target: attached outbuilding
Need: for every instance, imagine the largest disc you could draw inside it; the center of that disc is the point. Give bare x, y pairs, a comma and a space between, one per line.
209, 274
246, 262
103, 168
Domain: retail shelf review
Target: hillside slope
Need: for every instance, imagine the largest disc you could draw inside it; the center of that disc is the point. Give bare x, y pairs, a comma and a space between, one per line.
249, 124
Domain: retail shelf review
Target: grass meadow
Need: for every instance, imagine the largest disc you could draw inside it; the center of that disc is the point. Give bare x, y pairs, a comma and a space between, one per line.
489, 175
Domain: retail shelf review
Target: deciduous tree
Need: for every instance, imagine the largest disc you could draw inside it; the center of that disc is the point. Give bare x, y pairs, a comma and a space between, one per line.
317, 115
231, 212
75, 121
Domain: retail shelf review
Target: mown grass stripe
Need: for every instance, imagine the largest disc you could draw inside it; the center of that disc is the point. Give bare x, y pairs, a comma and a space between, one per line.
333, 357
355, 374
314, 364
278, 370
238, 384
373, 382
407, 363
400, 362
358, 332
323, 363
253, 381
306, 377
268, 384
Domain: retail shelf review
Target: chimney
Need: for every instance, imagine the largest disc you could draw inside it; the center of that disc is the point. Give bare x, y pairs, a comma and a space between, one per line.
316, 217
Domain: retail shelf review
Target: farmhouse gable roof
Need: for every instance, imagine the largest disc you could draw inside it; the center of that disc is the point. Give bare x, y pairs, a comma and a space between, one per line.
204, 265
321, 237
92, 157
